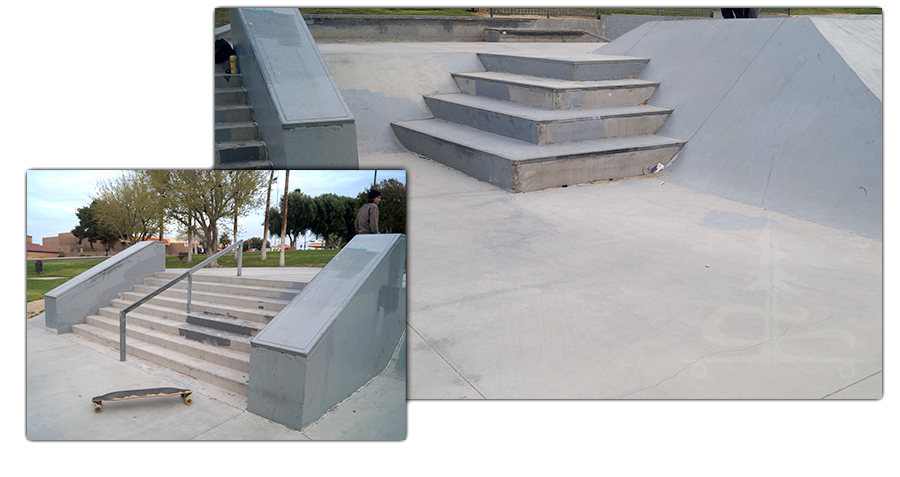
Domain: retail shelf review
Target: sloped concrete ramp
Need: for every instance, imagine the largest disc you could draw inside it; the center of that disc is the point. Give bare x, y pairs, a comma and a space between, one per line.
784, 114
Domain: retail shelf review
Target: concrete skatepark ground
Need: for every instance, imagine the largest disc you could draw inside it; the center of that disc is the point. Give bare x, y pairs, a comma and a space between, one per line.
65, 371
640, 288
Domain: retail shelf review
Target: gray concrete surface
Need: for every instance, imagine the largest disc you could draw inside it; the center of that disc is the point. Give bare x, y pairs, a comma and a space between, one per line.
63, 372
788, 124
633, 289
639, 288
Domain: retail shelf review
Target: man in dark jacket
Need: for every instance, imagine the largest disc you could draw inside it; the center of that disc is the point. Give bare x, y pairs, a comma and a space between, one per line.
367, 218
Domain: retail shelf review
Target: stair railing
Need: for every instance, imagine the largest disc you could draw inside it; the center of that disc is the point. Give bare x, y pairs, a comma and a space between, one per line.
189, 275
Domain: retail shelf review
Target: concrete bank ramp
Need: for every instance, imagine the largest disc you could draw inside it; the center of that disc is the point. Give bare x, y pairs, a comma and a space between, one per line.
784, 114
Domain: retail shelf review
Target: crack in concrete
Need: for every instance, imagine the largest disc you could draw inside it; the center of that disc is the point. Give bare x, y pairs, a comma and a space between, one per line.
851, 385
697, 361
438, 353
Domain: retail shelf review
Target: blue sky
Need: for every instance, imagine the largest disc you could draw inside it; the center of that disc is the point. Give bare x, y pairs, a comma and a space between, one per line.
52, 196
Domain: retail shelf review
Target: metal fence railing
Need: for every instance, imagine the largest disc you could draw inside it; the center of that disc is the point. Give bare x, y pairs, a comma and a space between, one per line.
597, 12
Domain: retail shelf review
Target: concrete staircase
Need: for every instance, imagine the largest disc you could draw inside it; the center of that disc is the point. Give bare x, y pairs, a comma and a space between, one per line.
212, 343
237, 141
531, 123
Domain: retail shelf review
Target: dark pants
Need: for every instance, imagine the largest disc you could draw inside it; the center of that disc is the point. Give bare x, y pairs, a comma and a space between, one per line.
740, 13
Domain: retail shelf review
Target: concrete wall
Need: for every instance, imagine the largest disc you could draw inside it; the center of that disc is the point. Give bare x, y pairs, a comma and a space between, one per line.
387, 28
69, 303
616, 25
302, 116
335, 336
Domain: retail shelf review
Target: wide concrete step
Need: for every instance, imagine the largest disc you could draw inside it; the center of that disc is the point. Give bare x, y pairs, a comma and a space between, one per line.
574, 68
261, 291
241, 301
177, 337
197, 306
201, 369
552, 93
172, 321
229, 152
202, 277
233, 113
236, 131
224, 80
230, 95
545, 126
520, 166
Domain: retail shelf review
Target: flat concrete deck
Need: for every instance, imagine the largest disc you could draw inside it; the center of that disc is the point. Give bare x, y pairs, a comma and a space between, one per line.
63, 373
631, 289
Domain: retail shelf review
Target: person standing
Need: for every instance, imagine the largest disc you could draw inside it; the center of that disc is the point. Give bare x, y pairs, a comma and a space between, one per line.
367, 217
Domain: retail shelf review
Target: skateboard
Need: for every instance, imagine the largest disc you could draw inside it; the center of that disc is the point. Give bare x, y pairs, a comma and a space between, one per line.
140, 393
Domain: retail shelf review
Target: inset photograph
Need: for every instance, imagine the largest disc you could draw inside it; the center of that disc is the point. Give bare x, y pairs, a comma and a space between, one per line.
216, 305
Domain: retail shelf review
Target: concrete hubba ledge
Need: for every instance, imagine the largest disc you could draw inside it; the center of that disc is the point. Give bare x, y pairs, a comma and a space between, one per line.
302, 116
334, 337
69, 303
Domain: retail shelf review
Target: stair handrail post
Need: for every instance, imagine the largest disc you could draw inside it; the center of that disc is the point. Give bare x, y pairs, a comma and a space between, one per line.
190, 286
240, 259
188, 274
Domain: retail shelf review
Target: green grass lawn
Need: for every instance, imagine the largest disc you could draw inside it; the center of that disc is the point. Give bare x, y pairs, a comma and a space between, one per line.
68, 269
292, 258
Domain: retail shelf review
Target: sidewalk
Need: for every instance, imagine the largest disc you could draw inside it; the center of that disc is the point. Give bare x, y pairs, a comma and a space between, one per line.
63, 373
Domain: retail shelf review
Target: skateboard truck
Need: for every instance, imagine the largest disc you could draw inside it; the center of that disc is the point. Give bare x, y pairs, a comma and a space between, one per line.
141, 393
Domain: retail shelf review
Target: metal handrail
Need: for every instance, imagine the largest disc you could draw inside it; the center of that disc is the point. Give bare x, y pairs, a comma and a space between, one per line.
189, 275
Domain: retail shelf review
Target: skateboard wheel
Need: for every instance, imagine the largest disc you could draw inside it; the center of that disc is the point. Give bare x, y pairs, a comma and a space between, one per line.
188, 400
97, 408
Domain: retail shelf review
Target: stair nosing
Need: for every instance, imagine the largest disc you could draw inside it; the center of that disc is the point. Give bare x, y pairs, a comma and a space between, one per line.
536, 153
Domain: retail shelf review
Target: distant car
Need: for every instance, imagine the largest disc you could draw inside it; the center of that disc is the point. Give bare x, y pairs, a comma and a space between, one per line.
253, 250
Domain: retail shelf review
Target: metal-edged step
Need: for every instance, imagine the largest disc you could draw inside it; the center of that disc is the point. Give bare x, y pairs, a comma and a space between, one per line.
237, 131
170, 336
229, 95
219, 375
520, 166
224, 299
225, 80
574, 68
240, 151
551, 93
544, 126
233, 113
162, 301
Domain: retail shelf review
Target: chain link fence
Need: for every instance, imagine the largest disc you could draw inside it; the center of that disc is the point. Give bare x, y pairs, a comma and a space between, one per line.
597, 12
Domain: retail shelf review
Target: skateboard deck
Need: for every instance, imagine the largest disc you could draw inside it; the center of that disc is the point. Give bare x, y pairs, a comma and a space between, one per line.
141, 393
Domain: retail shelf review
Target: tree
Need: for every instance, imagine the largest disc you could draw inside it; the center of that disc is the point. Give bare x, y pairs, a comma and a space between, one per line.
301, 212
130, 205
331, 223
392, 209
265, 240
254, 242
199, 199
91, 229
